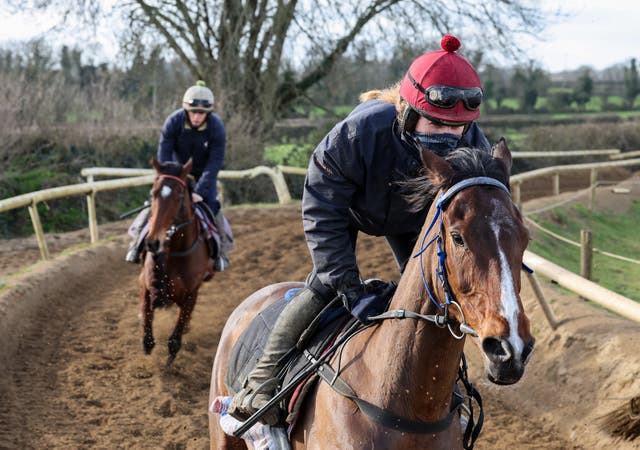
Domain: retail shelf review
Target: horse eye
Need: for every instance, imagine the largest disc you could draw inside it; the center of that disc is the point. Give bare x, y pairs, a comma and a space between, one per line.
457, 239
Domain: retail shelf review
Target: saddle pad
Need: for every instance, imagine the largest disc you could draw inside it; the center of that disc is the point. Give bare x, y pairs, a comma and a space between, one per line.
249, 347
209, 230
251, 343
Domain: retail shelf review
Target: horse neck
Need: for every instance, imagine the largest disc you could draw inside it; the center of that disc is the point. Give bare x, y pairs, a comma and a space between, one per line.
420, 372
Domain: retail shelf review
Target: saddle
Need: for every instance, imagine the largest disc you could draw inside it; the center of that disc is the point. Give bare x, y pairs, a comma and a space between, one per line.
210, 234
251, 343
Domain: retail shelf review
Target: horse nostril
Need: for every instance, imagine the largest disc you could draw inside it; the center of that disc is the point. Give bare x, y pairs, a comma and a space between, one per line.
497, 349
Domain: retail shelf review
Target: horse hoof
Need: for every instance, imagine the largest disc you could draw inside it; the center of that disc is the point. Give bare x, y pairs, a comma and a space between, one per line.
174, 346
147, 345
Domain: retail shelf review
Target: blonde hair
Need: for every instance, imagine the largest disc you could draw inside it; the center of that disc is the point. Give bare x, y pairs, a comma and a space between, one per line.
388, 95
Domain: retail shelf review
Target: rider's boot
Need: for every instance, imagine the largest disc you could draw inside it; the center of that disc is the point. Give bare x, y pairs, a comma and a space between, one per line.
133, 253
222, 261
294, 319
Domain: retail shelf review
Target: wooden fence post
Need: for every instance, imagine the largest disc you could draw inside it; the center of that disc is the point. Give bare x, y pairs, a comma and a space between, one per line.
517, 194
37, 227
93, 220
586, 254
556, 183
546, 308
277, 177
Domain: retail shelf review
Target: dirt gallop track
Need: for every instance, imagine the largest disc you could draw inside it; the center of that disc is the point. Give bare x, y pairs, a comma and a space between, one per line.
73, 374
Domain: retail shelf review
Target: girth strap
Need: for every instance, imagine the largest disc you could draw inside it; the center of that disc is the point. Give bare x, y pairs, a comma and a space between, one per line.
383, 417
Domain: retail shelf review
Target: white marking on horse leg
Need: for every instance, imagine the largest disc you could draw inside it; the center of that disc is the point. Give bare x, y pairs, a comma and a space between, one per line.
509, 299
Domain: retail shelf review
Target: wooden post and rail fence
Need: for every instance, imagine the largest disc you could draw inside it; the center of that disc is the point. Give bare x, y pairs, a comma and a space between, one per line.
139, 177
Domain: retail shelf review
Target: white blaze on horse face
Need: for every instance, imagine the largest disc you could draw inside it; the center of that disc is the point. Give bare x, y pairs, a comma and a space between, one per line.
508, 297
165, 191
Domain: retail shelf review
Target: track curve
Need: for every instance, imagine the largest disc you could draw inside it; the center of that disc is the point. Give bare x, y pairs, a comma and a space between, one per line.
74, 374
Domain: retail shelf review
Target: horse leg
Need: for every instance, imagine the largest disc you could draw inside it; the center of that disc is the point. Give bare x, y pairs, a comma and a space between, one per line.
147, 323
175, 340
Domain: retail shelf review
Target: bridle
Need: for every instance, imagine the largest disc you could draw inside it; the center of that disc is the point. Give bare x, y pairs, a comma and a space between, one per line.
175, 227
444, 319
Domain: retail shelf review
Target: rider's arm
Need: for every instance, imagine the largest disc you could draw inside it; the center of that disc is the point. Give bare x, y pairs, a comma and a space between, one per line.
335, 173
168, 140
216, 143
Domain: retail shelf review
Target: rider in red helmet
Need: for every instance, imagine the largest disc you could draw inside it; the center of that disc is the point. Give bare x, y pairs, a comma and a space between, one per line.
353, 185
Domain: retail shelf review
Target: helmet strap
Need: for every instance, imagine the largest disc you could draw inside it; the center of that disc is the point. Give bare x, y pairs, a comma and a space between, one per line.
409, 119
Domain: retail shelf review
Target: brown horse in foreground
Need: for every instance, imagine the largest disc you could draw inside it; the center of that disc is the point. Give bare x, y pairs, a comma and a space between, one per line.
408, 367
177, 258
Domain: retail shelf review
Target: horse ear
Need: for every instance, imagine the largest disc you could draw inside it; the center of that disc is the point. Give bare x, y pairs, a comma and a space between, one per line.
156, 165
501, 151
186, 169
439, 170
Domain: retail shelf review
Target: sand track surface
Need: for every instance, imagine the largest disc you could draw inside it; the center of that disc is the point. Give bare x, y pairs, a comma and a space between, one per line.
73, 374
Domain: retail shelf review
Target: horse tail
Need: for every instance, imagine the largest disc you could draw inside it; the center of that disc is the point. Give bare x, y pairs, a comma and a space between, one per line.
158, 286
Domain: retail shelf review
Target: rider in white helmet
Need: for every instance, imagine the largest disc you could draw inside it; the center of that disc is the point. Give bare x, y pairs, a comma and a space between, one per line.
195, 131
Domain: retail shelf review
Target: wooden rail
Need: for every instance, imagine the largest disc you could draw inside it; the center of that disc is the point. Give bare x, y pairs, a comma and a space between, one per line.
587, 289
555, 171
611, 152
138, 177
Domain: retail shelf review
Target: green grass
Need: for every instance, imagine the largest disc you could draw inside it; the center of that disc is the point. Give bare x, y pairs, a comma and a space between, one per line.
613, 233
296, 155
514, 137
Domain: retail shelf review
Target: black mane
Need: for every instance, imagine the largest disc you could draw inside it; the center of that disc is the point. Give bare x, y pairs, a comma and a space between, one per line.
175, 169
466, 163
171, 168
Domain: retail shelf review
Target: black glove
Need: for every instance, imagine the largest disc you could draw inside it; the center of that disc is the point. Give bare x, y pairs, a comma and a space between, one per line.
368, 300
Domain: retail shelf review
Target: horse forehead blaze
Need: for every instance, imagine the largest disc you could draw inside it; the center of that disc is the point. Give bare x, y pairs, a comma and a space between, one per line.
498, 241
165, 191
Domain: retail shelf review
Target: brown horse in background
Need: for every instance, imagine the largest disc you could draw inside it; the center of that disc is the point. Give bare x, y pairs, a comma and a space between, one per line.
407, 363
177, 257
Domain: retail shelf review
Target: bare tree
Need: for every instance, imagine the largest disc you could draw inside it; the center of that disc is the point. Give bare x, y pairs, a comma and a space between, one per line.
241, 47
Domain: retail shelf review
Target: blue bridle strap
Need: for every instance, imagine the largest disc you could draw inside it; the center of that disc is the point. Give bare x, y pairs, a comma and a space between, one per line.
441, 203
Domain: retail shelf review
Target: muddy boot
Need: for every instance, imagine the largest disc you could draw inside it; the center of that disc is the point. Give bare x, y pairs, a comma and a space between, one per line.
222, 260
133, 253
259, 389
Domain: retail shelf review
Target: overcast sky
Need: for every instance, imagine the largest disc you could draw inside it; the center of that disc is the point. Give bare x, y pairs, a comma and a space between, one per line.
597, 33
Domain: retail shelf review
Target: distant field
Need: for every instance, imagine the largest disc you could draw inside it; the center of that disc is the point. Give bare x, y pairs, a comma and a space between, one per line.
613, 233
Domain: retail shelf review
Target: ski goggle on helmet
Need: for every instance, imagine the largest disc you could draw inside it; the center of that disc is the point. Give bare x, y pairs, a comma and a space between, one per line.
444, 86
198, 98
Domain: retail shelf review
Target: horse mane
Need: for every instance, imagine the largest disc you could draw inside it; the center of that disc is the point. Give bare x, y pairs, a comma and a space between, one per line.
466, 163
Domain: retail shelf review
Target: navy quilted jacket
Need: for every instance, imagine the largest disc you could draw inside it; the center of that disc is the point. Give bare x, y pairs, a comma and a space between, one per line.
206, 145
351, 182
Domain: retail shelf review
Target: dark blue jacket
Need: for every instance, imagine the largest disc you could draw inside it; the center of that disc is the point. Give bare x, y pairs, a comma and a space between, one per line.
351, 182
206, 145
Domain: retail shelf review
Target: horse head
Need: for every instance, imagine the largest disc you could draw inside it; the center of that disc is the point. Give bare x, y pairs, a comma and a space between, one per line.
170, 203
480, 238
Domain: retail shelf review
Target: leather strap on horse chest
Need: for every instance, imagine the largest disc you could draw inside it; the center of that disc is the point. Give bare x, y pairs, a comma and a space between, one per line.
381, 416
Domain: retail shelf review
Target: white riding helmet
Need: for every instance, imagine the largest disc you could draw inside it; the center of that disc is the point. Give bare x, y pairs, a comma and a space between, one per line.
198, 98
